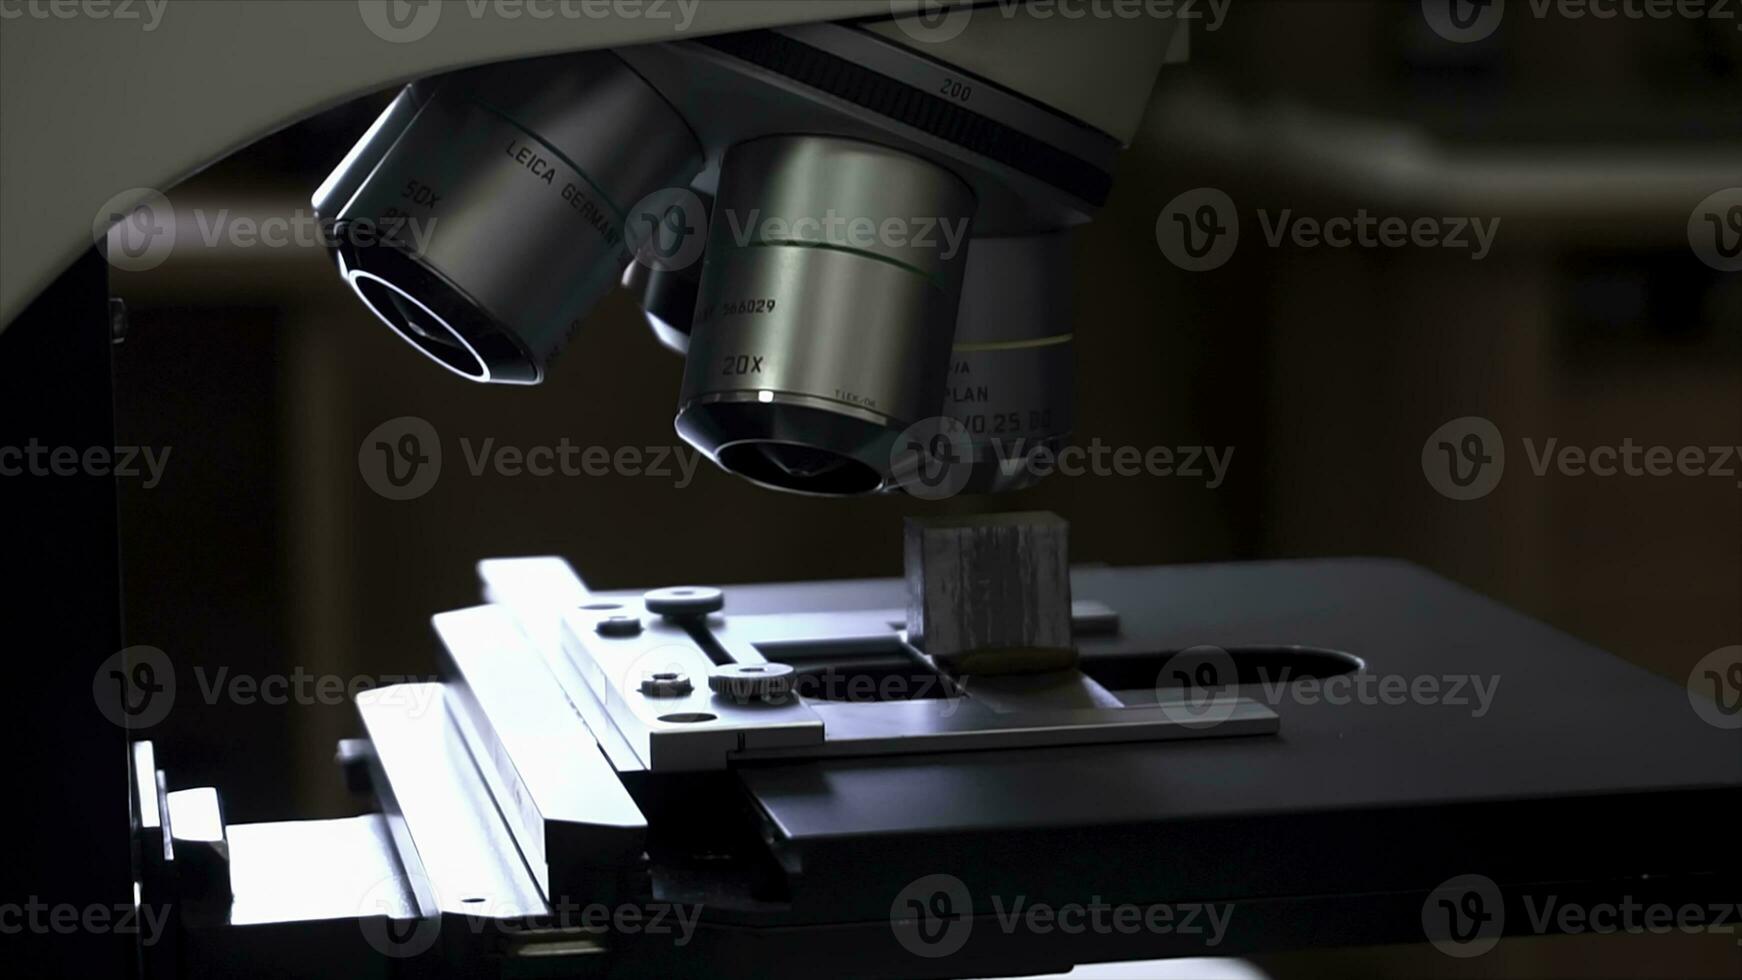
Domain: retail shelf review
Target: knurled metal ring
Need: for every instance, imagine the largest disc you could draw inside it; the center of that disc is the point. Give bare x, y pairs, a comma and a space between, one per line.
685, 601
618, 626
666, 684
753, 682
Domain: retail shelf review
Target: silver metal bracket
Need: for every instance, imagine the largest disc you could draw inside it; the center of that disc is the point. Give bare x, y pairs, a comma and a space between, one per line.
612, 674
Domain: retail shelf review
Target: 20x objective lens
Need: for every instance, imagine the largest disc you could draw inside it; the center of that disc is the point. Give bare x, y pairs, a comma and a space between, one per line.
826, 311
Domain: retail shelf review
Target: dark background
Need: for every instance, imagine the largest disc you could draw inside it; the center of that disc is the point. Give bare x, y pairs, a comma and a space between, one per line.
263, 550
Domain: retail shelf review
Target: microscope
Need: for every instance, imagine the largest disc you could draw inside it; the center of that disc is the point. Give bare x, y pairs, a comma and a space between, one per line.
851, 219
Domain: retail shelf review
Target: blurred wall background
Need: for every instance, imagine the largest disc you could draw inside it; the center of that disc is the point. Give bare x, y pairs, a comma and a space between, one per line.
1590, 321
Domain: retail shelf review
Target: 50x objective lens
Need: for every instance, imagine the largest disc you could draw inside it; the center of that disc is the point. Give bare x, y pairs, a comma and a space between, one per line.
1012, 381
826, 311
497, 203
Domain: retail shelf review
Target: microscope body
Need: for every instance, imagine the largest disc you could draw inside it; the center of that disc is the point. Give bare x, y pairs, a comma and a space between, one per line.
775, 779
